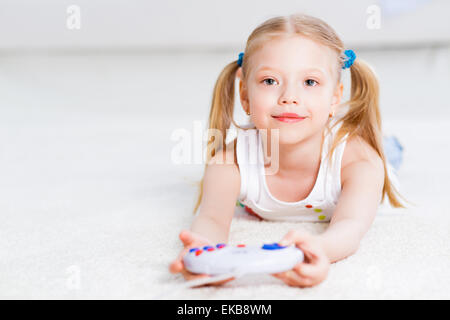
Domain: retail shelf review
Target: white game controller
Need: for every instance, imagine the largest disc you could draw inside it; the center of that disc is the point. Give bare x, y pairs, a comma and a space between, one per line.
242, 259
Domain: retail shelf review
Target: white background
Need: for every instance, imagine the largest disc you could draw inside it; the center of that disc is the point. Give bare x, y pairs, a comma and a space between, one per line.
211, 24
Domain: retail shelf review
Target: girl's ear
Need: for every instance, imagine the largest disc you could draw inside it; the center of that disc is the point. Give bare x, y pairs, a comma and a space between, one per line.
337, 96
243, 96
239, 73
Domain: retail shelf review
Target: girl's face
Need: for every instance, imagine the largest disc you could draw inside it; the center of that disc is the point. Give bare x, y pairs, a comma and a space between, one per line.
292, 75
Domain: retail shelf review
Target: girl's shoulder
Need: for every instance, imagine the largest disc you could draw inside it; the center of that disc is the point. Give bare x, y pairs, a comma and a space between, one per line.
361, 163
357, 150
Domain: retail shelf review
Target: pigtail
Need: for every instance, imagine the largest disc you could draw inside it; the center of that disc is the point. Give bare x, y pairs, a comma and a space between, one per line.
220, 116
363, 119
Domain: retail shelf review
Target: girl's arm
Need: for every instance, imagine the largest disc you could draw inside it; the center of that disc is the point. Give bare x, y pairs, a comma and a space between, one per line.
221, 187
362, 185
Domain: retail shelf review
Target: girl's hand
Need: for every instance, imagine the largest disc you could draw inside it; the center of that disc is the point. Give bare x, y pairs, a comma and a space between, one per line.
313, 269
191, 240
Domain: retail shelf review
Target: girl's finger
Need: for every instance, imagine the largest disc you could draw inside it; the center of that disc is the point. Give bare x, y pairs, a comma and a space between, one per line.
294, 237
316, 253
284, 276
176, 266
183, 253
186, 237
314, 272
294, 279
279, 275
219, 283
307, 270
192, 276
189, 238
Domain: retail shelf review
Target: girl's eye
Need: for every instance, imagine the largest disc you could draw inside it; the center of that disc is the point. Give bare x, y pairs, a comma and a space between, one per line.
268, 79
311, 83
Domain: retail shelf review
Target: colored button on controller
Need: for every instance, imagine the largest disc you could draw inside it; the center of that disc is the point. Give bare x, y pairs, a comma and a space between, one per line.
272, 246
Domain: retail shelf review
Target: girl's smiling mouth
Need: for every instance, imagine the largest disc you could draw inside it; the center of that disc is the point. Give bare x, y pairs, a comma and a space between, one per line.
288, 117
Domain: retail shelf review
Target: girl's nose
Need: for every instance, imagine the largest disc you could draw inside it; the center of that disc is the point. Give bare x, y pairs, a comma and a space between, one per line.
289, 100
289, 97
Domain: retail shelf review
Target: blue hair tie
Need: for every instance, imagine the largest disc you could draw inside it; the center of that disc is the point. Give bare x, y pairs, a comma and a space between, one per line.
348, 62
241, 57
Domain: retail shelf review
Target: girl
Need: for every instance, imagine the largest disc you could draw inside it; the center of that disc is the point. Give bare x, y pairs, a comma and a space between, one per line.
330, 164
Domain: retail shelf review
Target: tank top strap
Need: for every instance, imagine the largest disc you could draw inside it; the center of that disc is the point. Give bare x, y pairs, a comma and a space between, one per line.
333, 182
247, 157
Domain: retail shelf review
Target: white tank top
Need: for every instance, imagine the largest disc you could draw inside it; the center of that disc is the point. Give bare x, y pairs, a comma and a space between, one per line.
319, 205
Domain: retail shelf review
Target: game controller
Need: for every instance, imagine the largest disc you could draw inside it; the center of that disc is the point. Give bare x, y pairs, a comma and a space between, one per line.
224, 259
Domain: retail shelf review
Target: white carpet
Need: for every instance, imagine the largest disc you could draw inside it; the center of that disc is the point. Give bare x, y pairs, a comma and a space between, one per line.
400, 258
91, 205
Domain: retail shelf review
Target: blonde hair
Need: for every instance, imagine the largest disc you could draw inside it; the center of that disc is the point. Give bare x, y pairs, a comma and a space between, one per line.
362, 118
